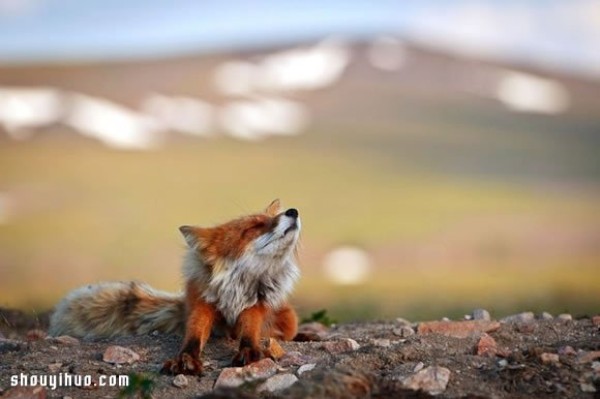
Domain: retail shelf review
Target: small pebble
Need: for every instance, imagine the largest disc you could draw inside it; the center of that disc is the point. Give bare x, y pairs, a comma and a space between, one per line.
403, 331
546, 316
180, 381
403, 322
340, 346
381, 342
481, 314
486, 346
64, 340
432, 380
567, 351
294, 358
523, 317
548, 358
564, 317
305, 367
54, 367
589, 388
419, 366
278, 382
118, 355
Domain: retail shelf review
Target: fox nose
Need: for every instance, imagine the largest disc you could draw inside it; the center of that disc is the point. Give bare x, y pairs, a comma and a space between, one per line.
292, 212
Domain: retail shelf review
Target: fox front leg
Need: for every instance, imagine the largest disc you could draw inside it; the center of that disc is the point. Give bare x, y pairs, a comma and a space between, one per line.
198, 326
249, 328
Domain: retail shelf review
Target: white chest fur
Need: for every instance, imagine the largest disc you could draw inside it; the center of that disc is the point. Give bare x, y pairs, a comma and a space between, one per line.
245, 281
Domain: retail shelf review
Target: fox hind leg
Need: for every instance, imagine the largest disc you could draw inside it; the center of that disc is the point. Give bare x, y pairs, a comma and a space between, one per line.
285, 323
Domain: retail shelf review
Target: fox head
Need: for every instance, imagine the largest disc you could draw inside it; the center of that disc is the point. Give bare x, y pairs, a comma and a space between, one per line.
272, 234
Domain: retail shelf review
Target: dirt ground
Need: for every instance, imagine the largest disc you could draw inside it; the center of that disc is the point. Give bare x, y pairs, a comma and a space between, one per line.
555, 358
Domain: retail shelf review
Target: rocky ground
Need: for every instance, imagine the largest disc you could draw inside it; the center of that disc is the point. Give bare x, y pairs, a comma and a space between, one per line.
521, 356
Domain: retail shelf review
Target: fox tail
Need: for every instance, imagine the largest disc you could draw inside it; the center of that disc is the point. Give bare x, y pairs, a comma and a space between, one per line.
117, 308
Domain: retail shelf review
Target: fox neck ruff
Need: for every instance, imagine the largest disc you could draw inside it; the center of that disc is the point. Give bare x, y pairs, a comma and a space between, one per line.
238, 284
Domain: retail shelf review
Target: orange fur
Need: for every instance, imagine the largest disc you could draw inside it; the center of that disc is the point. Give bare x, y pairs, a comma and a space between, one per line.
238, 274
285, 325
215, 246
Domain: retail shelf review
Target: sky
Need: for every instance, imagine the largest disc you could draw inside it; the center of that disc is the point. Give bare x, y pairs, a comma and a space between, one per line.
561, 34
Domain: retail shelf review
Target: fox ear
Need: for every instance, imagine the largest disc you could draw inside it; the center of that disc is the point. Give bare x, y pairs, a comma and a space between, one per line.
273, 208
191, 234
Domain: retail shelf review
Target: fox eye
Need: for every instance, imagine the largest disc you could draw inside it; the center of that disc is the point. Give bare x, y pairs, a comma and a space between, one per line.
256, 226
259, 225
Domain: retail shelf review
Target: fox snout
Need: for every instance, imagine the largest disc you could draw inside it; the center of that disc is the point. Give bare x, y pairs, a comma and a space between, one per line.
291, 221
292, 212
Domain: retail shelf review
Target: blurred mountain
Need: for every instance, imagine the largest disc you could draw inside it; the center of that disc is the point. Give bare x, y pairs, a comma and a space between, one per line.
385, 96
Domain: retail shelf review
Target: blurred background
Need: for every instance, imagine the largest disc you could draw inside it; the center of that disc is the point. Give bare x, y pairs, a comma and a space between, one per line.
443, 155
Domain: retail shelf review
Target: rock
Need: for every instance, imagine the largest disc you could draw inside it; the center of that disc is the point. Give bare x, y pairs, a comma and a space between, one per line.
418, 367
588, 388
486, 346
306, 367
526, 328
180, 381
596, 320
502, 363
549, 358
118, 355
524, 317
9, 345
262, 369
294, 358
403, 331
25, 393
481, 314
35, 335
457, 329
232, 377
64, 340
468, 317
340, 346
588, 357
596, 366
311, 332
566, 351
54, 367
445, 319
546, 316
432, 380
278, 382
564, 317
403, 322
381, 342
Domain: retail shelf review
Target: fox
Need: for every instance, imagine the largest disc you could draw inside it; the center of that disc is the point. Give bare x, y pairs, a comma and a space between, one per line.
238, 276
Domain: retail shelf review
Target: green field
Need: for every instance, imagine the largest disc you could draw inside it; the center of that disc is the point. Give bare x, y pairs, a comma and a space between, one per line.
442, 242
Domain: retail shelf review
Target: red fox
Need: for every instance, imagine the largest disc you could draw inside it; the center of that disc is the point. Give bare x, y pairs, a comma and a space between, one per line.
237, 274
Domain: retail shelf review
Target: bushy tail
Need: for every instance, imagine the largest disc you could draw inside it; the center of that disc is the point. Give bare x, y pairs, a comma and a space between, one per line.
117, 308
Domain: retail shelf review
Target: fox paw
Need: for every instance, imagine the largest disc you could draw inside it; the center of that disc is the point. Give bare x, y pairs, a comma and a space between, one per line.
246, 356
182, 364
